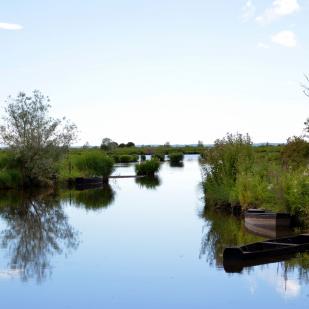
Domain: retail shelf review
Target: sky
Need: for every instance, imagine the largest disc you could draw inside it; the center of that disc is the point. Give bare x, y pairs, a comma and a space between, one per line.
161, 71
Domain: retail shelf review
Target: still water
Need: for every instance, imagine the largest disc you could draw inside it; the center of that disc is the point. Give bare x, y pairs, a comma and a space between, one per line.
135, 244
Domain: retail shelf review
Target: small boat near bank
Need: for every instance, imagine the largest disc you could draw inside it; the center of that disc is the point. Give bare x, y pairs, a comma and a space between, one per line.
267, 224
269, 251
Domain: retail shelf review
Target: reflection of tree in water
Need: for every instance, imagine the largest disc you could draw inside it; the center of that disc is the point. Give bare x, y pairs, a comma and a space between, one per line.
148, 182
37, 228
93, 199
223, 230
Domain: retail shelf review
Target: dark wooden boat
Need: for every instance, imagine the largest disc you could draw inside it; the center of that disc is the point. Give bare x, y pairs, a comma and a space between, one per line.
267, 224
273, 250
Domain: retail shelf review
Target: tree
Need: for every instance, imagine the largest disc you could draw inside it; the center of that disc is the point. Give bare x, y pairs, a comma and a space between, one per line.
130, 144
36, 140
108, 144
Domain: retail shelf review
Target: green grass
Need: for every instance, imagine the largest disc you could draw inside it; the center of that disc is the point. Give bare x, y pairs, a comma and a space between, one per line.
147, 168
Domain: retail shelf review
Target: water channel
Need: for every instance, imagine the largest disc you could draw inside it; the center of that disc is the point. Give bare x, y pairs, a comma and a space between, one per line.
134, 244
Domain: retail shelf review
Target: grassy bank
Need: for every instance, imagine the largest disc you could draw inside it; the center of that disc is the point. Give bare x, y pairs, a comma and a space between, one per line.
272, 177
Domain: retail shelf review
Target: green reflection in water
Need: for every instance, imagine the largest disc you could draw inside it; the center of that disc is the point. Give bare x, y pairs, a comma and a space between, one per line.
148, 182
223, 230
92, 199
37, 228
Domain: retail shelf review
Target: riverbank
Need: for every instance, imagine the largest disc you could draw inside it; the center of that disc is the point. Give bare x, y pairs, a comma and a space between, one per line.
270, 177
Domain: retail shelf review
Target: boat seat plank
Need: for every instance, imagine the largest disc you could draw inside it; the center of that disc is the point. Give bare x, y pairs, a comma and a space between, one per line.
279, 243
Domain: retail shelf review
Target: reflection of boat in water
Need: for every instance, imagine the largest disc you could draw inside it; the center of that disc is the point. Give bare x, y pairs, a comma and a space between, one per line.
269, 251
267, 224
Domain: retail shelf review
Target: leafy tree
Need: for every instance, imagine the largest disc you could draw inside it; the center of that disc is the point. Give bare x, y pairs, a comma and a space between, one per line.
130, 144
108, 144
37, 140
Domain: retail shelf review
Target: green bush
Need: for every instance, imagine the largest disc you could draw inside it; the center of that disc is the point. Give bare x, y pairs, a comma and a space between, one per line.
147, 168
176, 157
160, 156
95, 164
125, 158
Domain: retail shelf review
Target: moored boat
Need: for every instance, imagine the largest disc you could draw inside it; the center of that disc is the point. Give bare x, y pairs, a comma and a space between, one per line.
266, 223
235, 258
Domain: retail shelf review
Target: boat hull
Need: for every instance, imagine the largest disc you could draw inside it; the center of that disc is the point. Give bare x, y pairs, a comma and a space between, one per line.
273, 250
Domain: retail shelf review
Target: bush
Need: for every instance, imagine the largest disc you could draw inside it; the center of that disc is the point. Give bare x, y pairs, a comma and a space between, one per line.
176, 157
125, 158
147, 168
296, 152
160, 156
95, 164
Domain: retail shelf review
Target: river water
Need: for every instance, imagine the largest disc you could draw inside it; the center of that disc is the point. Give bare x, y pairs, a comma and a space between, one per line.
135, 244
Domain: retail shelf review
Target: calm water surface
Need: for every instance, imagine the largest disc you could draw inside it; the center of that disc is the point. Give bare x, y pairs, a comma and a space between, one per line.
135, 244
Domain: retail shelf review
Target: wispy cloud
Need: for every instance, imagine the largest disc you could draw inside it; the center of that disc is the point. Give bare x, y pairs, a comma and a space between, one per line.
285, 38
248, 11
9, 26
278, 9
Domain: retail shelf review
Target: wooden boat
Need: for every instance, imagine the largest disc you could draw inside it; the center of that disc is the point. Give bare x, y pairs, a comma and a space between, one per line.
267, 224
273, 250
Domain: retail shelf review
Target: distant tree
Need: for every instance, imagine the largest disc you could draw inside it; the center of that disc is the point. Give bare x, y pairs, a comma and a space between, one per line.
122, 145
167, 144
130, 144
86, 145
37, 140
200, 144
108, 144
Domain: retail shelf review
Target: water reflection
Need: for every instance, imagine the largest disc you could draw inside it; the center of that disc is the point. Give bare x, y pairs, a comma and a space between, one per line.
92, 199
176, 164
224, 230
148, 182
37, 228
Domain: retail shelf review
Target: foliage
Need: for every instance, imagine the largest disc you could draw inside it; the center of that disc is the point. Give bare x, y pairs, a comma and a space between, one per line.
95, 163
36, 140
108, 144
147, 168
159, 155
296, 152
176, 157
125, 158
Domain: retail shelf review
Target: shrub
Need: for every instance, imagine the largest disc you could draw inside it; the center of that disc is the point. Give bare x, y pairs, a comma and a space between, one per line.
126, 158
160, 156
147, 168
176, 157
296, 152
95, 164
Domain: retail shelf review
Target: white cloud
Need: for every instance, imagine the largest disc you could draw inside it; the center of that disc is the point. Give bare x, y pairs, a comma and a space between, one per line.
285, 38
278, 9
262, 45
8, 26
248, 11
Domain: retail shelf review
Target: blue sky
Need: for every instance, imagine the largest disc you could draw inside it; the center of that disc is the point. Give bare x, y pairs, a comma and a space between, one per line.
164, 70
